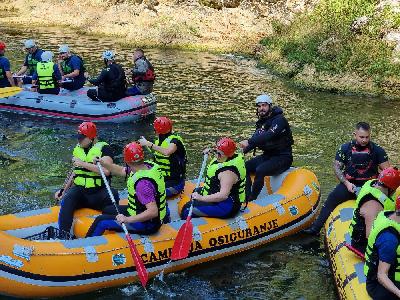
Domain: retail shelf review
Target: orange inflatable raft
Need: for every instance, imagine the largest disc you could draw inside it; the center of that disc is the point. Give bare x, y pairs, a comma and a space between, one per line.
51, 268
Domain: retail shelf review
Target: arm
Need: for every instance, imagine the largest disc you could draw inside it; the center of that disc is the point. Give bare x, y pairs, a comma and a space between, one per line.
22, 70
261, 136
369, 210
227, 180
108, 167
151, 212
10, 78
105, 161
73, 74
384, 165
165, 151
140, 68
100, 78
339, 168
383, 271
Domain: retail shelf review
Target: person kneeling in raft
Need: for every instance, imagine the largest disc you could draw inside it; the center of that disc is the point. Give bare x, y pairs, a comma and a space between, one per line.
223, 192
147, 207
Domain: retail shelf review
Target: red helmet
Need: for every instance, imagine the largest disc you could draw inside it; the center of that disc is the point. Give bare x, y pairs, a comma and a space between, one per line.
2, 45
162, 125
390, 177
133, 152
88, 129
227, 146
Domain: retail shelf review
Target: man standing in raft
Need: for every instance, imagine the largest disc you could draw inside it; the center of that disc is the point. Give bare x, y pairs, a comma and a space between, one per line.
356, 162
382, 259
224, 186
169, 154
274, 137
85, 187
374, 197
147, 206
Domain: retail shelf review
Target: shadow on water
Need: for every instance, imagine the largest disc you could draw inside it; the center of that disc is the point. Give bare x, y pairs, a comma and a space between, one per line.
207, 96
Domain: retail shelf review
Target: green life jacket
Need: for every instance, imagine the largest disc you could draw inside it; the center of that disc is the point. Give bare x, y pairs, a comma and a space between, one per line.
235, 164
173, 166
155, 176
32, 63
66, 68
357, 228
83, 177
381, 223
45, 75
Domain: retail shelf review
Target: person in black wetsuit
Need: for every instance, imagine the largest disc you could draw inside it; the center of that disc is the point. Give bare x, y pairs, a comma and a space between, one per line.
355, 163
274, 137
111, 82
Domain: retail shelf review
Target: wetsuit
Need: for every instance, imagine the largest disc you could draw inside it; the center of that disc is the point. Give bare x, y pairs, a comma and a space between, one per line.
274, 137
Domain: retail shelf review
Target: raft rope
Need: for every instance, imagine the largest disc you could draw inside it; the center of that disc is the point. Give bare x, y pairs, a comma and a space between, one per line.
138, 242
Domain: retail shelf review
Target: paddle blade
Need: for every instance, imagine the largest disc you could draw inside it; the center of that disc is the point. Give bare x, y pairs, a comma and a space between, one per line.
183, 241
9, 91
140, 268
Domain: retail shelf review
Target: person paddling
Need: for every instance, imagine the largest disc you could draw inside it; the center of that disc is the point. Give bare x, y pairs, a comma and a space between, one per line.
170, 154
85, 187
223, 192
382, 257
373, 197
147, 207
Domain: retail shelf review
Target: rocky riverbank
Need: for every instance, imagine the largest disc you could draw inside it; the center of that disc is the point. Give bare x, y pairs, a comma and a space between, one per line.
340, 46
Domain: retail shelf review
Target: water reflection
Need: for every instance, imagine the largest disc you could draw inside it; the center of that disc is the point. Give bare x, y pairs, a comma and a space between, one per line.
207, 96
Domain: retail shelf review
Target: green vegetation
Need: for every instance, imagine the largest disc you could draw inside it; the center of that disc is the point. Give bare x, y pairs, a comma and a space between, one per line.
339, 37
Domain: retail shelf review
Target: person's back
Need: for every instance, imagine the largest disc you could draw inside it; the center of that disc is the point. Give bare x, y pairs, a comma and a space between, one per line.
6, 79
111, 82
47, 76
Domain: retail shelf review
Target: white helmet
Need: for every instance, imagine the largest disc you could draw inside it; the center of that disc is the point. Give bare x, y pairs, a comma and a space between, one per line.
63, 49
47, 56
29, 44
108, 54
264, 98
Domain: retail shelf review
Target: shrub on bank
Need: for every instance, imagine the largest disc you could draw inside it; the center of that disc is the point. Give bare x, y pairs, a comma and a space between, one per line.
338, 37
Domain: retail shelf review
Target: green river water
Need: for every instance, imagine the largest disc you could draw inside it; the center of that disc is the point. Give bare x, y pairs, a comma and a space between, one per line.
208, 96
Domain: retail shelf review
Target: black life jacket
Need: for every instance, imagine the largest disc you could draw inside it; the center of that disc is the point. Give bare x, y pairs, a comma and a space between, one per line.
360, 163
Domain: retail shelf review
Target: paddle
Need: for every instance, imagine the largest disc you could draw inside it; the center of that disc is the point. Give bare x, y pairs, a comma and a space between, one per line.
181, 247
140, 268
9, 91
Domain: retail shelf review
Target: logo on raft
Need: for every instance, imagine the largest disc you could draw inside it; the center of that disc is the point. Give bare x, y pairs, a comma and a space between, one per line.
118, 259
294, 211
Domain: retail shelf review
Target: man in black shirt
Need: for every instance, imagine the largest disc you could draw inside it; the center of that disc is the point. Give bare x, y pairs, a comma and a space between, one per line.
274, 137
355, 163
111, 82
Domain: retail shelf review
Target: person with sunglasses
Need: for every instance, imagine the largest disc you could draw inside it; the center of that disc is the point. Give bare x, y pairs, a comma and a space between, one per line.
273, 136
223, 192
33, 56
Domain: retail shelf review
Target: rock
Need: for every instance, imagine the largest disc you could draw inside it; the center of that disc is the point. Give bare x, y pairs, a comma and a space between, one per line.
358, 24
329, 48
393, 4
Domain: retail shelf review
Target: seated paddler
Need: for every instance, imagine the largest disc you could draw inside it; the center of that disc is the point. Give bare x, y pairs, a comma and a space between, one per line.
374, 196
223, 192
147, 207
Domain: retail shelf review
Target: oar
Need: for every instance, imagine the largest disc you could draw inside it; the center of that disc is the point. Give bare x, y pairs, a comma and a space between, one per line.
9, 91
140, 268
181, 247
